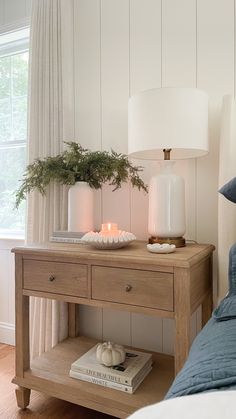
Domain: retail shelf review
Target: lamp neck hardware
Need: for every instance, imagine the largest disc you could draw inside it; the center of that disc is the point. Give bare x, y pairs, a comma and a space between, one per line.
166, 152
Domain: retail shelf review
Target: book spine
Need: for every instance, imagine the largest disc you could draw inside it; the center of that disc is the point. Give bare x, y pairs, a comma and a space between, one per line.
112, 376
141, 378
141, 374
101, 382
66, 240
110, 384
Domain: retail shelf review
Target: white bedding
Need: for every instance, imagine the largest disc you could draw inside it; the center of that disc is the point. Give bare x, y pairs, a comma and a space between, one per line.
213, 405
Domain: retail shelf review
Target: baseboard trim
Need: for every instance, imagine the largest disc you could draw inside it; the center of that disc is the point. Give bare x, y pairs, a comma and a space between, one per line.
7, 333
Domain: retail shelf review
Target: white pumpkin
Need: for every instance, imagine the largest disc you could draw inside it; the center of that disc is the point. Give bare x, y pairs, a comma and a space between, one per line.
110, 354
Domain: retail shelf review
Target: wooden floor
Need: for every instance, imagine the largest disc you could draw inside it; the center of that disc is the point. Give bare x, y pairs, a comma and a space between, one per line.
41, 407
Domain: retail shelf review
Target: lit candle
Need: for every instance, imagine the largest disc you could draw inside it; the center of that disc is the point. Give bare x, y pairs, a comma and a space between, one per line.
109, 229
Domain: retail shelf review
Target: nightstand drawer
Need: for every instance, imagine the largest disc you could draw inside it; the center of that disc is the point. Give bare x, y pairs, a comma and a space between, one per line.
55, 277
134, 287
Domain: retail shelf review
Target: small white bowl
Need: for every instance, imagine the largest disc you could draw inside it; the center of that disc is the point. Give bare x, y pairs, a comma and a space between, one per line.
161, 248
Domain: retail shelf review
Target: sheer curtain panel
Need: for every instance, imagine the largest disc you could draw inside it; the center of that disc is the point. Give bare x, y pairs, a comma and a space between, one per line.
50, 123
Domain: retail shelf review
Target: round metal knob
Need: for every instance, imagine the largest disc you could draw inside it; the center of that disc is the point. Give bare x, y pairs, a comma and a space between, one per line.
52, 278
128, 288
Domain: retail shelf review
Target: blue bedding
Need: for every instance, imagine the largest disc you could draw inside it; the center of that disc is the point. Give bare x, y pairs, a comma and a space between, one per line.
211, 363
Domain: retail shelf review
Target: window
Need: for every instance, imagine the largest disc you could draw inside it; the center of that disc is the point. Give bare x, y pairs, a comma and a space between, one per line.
13, 128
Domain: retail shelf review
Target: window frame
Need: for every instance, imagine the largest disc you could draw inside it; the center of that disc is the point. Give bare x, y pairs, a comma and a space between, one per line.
13, 43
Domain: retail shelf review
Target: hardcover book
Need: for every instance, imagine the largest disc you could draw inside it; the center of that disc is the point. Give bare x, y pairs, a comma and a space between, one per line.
111, 384
65, 240
63, 236
127, 373
68, 234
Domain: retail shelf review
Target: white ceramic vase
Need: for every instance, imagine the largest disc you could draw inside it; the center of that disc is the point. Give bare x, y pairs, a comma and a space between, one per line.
166, 203
80, 208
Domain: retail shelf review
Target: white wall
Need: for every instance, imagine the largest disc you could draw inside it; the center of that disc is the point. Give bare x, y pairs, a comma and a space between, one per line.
7, 291
121, 47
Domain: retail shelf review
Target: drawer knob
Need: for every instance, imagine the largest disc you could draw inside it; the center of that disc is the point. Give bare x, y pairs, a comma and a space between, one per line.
52, 278
128, 288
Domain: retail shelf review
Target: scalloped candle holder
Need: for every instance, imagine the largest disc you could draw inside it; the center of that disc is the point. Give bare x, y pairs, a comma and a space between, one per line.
101, 241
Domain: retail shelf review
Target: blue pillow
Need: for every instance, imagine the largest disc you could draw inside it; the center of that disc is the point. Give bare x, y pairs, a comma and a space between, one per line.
229, 190
226, 310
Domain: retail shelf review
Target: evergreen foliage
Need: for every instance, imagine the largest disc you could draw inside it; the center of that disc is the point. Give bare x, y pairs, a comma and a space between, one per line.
79, 164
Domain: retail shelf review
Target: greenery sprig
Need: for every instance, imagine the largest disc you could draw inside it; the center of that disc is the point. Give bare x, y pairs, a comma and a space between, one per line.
79, 164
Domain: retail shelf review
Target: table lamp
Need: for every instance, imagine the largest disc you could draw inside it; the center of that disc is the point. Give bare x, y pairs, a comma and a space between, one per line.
164, 124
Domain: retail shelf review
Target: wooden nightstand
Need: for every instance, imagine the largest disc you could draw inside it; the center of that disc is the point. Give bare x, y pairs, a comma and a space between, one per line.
170, 286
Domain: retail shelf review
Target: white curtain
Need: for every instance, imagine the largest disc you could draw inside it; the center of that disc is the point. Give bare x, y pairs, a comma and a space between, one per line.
51, 30
226, 209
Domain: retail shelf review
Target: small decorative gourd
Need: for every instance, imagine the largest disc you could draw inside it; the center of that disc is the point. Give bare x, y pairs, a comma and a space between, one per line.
110, 354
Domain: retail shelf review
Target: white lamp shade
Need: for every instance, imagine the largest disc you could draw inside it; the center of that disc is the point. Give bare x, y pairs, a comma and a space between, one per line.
168, 118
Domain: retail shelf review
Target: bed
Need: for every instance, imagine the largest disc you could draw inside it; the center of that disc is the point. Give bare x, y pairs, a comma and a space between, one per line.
214, 405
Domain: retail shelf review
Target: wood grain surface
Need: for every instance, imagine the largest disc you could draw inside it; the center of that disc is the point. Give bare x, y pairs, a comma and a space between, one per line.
41, 406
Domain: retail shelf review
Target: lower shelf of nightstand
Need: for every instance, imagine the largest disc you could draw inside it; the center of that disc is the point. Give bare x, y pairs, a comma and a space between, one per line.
50, 374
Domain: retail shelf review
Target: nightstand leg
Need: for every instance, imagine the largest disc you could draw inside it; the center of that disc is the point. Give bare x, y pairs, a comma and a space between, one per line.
182, 317
22, 335
22, 397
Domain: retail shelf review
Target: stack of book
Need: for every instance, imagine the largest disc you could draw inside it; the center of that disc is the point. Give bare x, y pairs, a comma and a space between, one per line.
63, 236
124, 377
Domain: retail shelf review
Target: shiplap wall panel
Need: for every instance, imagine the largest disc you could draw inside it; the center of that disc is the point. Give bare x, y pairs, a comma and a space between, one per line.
90, 322
87, 73
215, 75
145, 73
87, 108
115, 93
68, 67
116, 326
114, 73
179, 43
145, 45
116, 206
179, 70
87, 63
147, 332
114, 100
168, 336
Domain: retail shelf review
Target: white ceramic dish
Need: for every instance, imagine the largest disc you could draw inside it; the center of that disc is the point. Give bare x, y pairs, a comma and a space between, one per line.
108, 242
161, 248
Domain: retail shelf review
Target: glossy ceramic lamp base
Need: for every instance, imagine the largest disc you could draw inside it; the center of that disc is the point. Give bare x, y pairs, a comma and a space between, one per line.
166, 222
